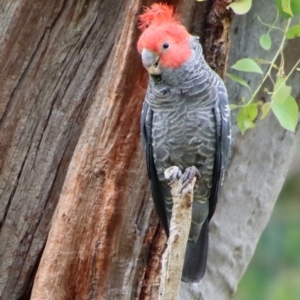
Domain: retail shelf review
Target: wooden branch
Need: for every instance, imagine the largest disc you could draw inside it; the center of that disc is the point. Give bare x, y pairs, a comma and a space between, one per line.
173, 258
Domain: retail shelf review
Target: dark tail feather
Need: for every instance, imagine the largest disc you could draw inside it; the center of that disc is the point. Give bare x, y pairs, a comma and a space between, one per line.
196, 257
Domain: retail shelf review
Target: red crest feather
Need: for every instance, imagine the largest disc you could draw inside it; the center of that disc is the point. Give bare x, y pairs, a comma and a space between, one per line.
156, 14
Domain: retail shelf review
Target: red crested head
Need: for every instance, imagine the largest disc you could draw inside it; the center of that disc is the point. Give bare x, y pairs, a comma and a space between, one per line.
164, 42
158, 13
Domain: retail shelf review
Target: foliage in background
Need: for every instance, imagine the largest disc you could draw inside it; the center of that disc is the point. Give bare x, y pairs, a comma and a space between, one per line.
274, 272
281, 102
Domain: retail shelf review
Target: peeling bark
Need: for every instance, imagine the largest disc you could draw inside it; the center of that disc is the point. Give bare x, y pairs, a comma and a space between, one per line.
102, 184
216, 27
53, 55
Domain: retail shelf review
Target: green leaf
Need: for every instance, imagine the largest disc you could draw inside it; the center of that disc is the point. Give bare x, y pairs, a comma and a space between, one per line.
286, 112
249, 124
265, 41
247, 65
286, 7
293, 32
295, 8
240, 7
252, 111
265, 110
238, 79
246, 116
281, 91
233, 106
295, 4
240, 118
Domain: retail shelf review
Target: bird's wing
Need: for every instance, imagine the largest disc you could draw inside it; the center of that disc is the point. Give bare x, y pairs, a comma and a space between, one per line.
156, 187
222, 117
196, 252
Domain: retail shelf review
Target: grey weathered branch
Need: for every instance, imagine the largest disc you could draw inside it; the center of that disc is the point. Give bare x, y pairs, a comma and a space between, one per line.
259, 163
173, 258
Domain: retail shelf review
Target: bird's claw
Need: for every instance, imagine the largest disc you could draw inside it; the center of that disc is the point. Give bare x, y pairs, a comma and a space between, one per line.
173, 173
188, 176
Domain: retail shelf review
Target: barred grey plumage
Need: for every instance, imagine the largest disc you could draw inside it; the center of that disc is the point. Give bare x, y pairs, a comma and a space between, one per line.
186, 122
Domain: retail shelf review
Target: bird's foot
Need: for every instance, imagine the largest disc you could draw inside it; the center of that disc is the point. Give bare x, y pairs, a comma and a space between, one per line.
173, 173
188, 176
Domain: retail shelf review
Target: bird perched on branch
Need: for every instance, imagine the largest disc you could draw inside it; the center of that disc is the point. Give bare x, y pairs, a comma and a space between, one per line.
185, 122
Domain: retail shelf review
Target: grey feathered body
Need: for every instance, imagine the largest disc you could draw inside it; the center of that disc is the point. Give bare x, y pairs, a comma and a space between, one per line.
185, 122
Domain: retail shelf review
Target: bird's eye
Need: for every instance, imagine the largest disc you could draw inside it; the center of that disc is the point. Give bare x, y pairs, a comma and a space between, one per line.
165, 45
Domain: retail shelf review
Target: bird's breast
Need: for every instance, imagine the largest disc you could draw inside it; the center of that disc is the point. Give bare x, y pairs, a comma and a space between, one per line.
183, 137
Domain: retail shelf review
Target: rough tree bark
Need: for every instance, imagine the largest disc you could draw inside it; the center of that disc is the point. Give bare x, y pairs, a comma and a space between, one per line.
71, 88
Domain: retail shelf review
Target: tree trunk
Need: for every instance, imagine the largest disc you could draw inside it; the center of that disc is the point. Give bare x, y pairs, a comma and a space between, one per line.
72, 169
